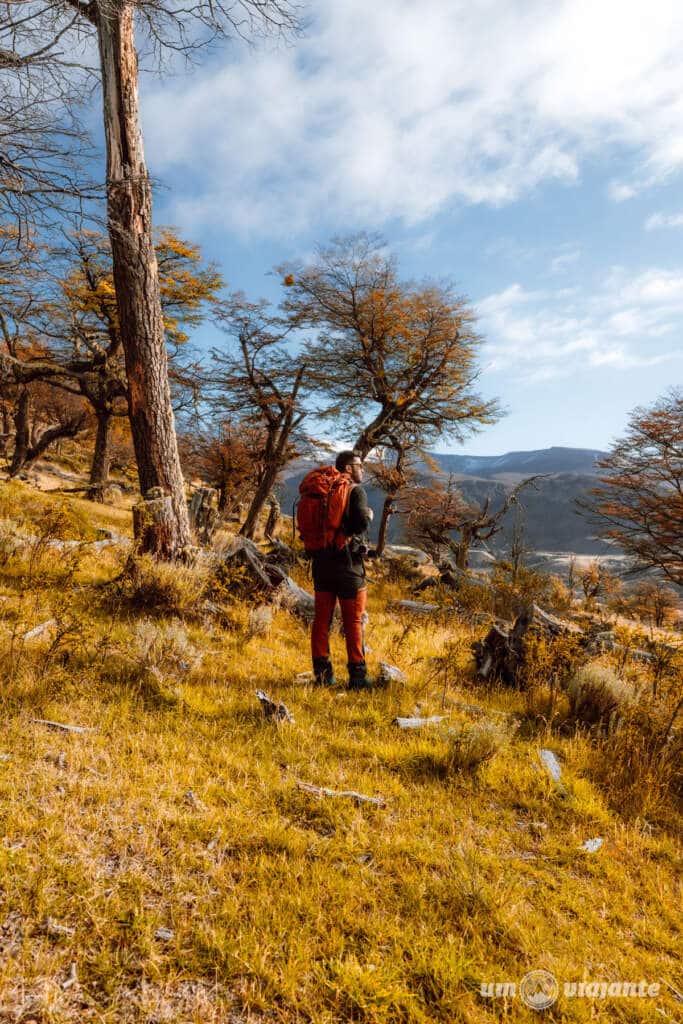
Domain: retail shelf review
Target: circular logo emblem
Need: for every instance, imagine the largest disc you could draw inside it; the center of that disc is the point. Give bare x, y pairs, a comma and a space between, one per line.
539, 989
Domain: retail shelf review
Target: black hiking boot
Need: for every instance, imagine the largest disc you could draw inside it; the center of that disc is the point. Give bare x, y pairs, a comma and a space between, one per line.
323, 672
358, 677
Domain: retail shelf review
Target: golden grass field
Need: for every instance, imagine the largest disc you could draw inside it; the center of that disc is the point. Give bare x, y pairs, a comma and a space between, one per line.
164, 866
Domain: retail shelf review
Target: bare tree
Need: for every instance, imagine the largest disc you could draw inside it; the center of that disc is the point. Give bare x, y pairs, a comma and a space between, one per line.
440, 511
258, 379
44, 74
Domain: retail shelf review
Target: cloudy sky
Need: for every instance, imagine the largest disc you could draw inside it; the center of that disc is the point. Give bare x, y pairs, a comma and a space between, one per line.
531, 152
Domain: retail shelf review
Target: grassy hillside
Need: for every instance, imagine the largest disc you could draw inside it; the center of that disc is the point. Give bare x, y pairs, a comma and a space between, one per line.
166, 866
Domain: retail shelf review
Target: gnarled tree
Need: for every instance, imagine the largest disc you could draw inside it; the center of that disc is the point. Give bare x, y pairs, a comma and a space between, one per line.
399, 357
227, 455
638, 503
257, 379
440, 511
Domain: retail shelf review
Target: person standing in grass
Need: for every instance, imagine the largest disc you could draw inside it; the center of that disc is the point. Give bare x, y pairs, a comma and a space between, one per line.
333, 517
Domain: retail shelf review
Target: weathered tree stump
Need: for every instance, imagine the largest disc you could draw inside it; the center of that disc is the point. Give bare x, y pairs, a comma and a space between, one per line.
203, 513
274, 516
155, 524
503, 651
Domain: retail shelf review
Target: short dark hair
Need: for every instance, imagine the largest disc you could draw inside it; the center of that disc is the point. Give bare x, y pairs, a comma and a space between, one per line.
345, 459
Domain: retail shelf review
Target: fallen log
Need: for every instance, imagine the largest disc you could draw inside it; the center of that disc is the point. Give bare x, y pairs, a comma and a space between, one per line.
270, 579
245, 557
39, 630
295, 599
418, 723
416, 607
281, 554
61, 726
454, 577
360, 798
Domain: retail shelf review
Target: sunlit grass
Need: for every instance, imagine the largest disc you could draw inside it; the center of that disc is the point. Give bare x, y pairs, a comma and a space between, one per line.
180, 809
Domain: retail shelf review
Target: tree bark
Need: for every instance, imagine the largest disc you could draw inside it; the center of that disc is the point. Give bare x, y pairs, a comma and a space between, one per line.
136, 280
21, 433
32, 452
374, 432
462, 552
99, 469
387, 509
258, 501
274, 516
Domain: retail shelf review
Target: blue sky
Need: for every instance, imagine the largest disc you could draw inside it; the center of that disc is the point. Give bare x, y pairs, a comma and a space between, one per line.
532, 152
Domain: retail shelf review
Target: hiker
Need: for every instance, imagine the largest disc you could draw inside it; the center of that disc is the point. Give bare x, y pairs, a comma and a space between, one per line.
333, 516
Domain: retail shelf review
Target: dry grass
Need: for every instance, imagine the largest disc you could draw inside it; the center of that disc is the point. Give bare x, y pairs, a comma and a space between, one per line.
598, 696
180, 810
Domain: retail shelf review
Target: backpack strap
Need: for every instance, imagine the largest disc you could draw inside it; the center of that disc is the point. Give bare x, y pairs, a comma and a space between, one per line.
340, 528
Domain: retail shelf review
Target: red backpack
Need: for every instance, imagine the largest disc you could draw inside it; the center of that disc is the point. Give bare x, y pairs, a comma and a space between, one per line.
323, 497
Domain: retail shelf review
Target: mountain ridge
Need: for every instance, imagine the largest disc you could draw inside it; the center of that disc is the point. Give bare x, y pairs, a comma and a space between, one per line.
549, 508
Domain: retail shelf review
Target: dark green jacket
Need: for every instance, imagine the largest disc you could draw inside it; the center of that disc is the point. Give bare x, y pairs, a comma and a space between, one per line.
343, 572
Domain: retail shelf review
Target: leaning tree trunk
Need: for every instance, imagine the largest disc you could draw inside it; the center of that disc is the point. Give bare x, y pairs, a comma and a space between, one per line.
387, 510
21, 433
136, 280
263, 490
101, 460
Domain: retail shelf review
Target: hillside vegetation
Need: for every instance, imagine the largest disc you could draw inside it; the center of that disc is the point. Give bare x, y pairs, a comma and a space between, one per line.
165, 865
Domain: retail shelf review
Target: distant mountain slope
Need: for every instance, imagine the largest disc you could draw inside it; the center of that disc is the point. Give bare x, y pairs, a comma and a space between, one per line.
549, 508
545, 460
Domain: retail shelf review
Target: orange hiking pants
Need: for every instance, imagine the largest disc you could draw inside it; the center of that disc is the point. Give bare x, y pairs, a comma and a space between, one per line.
352, 609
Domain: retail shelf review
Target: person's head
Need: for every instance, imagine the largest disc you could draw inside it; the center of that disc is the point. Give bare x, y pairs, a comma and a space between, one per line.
351, 463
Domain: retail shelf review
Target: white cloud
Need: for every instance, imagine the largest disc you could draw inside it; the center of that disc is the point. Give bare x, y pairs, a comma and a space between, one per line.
664, 220
396, 109
623, 325
619, 191
567, 255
